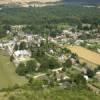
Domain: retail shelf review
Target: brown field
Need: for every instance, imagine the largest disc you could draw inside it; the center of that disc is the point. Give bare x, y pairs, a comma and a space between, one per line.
86, 54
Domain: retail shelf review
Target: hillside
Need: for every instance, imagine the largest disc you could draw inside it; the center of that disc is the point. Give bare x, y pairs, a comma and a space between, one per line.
49, 94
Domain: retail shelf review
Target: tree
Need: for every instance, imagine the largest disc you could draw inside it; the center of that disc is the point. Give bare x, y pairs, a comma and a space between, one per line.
98, 68
22, 46
11, 58
74, 55
31, 66
53, 63
16, 47
2, 31
7, 27
84, 64
79, 80
68, 63
21, 69
73, 30
65, 50
90, 73
49, 63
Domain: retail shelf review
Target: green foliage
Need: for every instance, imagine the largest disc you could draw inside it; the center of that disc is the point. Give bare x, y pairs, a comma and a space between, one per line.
16, 47
22, 46
27, 68
48, 18
90, 73
31, 66
2, 31
36, 84
50, 63
65, 50
98, 68
55, 94
11, 58
68, 63
21, 69
80, 81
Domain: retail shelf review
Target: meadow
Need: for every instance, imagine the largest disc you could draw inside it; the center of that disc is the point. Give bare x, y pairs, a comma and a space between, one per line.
8, 76
51, 94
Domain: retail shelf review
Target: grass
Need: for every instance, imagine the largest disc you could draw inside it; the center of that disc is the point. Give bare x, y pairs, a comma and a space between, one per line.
97, 84
52, 94
8, 77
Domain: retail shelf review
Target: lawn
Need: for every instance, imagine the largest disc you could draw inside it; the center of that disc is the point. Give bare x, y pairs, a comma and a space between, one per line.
8, 77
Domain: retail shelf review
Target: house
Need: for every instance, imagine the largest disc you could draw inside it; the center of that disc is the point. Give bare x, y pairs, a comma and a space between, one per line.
67, 32
78, 42
29, 37
17, 28
98, 50
1, 45
20, 56
22, 53
61, 76
98, 75
73, 60
86, 77
86, 25
62, 58
51, 51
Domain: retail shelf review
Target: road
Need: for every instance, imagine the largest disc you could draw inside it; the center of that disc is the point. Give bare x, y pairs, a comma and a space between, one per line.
43, 74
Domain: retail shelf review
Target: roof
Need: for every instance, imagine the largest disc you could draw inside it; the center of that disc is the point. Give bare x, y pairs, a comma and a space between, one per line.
21, 52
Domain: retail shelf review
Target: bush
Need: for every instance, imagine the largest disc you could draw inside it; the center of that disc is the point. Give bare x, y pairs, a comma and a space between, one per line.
68, 63
31, 66
80, 80
21, 69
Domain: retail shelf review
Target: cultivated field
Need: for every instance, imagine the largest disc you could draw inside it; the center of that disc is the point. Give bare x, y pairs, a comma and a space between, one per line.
86, 54
8, 77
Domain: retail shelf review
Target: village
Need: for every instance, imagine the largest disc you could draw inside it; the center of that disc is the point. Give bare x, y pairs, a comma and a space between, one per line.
50, 58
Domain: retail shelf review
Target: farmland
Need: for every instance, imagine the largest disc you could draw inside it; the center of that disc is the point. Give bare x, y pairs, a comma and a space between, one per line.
86, 54
8, 77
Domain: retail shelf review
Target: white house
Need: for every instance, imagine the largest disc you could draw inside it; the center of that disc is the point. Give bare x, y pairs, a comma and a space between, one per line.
86, 77
62, 58
22, 53
51, 51
98, 50
1, 45
98, 75
78, 42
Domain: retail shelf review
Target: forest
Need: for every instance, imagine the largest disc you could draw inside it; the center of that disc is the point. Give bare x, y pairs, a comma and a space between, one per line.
39, 19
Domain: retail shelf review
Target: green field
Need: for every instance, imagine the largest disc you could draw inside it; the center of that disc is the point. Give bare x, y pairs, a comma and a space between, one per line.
8, 77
